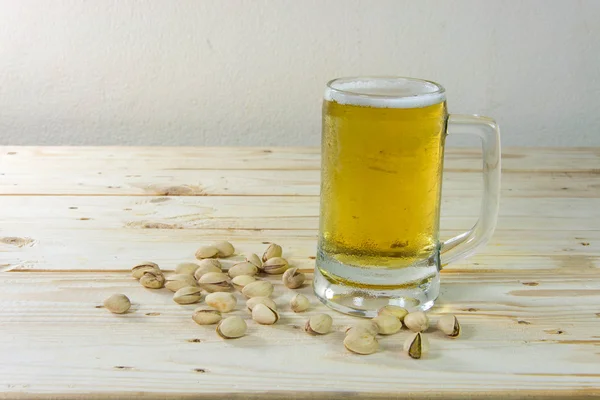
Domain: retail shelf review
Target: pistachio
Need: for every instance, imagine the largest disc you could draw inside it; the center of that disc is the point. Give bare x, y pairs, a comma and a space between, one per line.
187, 268
293, 278
361, 342
416, 345
242, 280
188, 295
206, 268
274, 250
299, 303
388, 324
253, 301
224, 248
206, 252
243, 268
254, 259
223, 302
449, 325
264, 315
140, 269
231, 327
177, 281
396, 311
417, 321
275, 266
369, 326
206, 316
152, 280
318, 324
215, 282
258, 289
117, 303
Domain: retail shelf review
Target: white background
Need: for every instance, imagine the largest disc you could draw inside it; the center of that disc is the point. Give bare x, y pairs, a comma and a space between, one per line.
252, 72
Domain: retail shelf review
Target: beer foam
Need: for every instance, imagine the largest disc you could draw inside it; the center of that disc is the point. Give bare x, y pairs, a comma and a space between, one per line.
385, 92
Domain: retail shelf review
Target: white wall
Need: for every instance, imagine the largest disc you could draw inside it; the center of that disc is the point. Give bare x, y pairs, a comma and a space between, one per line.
252, 72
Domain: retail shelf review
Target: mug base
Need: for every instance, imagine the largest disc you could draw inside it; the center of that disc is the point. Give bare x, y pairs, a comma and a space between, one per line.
365, 301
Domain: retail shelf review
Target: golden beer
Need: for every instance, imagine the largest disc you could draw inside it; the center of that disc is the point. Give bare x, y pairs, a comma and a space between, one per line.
381, 183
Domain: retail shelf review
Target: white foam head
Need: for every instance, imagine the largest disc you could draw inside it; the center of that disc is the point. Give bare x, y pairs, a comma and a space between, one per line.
385, 92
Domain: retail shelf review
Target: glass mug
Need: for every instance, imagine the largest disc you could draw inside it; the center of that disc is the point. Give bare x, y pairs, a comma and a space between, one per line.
381, 179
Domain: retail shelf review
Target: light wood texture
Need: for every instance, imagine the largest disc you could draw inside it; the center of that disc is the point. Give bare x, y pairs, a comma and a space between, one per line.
74, 220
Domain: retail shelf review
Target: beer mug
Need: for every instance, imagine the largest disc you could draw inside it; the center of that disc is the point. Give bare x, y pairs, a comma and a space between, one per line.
381, 179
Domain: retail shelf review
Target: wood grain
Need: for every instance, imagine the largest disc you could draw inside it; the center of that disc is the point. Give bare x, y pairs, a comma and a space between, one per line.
74, 220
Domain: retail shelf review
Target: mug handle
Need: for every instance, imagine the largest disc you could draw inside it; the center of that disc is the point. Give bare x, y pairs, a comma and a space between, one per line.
466, 243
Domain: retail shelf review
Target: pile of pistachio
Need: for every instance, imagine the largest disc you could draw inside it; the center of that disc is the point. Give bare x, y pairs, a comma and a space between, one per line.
190, 281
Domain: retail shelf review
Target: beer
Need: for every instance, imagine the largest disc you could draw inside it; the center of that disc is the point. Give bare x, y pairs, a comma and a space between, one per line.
381, 181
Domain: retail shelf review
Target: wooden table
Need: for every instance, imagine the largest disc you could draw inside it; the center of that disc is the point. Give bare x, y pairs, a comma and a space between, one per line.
74, 220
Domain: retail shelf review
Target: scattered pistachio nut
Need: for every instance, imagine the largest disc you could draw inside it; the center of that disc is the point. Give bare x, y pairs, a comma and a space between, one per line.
177, 281
396, 311
368, 326
254, 259
388, 324
231, 327
242, 280
117, 304
243, 268
293, 278
206, 252
153, 280
319, 324
274, 250
187, 268
416, 345
449, 325
417, 321
267, 301
299, 303
206, 268
224, 248
188, 295
140, 269
258, 289
361, 342
275, 266
264, 315
224, 302
206, 316
215, 282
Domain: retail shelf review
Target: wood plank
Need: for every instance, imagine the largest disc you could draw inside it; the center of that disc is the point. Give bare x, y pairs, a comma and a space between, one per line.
515, 337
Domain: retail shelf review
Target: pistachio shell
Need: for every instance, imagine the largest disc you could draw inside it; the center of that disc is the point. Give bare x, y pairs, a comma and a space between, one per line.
231, 327
274, 250
242, 280
152, 280
206, 252
267, 301
299, 303
388, 324
187, 268
370, 327
206, 268
293, 278
416, 345
264, 315
258, 289
188, 295
177, 281
396, 311
275, 266
319, 324
206, 316
254, 259
417, 321
117, 303
361, 343
449, 325
215, 282
140, 269
243, 268
224, 248
224, 302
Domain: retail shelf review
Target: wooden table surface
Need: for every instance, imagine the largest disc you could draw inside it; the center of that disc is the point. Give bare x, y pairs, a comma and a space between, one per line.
74, 220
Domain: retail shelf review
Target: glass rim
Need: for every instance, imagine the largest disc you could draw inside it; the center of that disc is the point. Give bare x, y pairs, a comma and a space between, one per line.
439, 88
